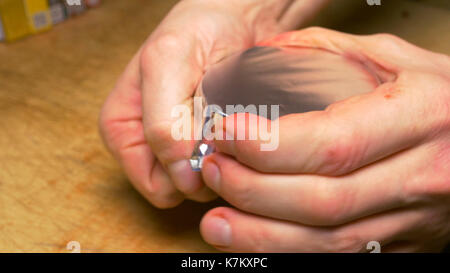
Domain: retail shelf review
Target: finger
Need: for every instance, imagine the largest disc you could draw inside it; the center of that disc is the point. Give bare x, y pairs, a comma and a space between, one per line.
121, 128
161, 190
204, 194
231, 230
349, 134
357, 131
319, 200
386, 51
170, 70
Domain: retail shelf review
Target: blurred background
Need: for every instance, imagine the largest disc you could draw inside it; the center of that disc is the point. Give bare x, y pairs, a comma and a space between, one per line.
58, 61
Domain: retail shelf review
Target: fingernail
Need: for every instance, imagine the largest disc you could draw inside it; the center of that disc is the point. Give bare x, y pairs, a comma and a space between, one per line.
184, 178
217, 231
211, 174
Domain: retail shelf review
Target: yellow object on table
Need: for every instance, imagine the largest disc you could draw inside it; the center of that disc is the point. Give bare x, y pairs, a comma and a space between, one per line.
14, 18
22, 17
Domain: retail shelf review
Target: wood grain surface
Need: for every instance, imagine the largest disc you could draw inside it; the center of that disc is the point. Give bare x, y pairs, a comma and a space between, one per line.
58, 183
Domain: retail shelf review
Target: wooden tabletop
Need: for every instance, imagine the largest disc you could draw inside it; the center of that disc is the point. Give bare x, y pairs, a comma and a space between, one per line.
57, 182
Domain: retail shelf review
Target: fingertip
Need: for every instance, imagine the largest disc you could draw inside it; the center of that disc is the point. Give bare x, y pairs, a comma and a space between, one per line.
167, 202
211, 174
216, 228
184, 178
203, 195
160, 191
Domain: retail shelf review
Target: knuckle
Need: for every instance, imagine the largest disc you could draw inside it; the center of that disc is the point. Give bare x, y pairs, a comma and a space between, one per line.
341, 153
394, 44
315, 29
387, 37
330, 206
168, 42
336, 159
158, 132
165, 203
259, 240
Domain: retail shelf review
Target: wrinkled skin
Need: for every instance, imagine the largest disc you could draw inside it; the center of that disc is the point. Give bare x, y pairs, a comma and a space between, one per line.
374, 167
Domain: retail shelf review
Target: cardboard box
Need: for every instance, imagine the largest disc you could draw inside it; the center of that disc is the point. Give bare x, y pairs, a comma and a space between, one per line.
14, 18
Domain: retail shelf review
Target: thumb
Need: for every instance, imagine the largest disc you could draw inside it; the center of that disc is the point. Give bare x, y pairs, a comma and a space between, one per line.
170, 73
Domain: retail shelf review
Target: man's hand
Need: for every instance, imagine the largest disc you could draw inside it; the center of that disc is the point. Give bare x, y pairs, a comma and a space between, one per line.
374, 167
136, 121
